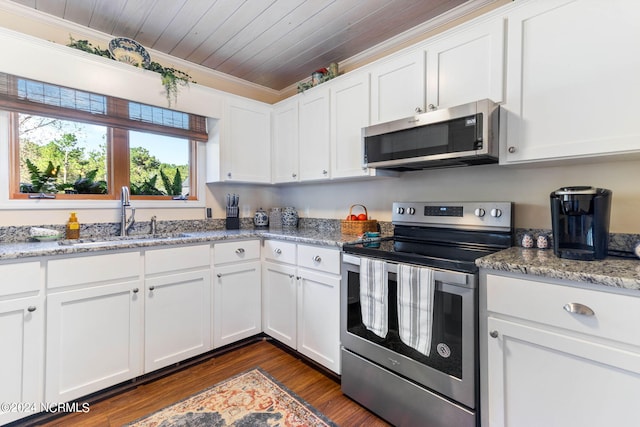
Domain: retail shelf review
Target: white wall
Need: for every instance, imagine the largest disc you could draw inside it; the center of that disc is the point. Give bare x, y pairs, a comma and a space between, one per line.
527, 187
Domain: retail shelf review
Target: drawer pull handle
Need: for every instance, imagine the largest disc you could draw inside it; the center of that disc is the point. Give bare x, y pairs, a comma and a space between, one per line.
577, 308
239, 251
493, 334
317, 258
31, 308
278, 251
151, 288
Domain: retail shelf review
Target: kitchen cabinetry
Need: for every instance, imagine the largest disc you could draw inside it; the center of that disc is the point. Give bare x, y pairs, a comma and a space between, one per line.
560, 355
237, 291
285, 141
94, 323
177, 305
314, 134
466, 65
557, 80
279, 296
22, 326
302, 299
398, 87
349, 114
246, 142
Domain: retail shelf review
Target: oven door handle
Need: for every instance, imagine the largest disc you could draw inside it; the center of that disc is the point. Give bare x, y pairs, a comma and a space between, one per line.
444, 276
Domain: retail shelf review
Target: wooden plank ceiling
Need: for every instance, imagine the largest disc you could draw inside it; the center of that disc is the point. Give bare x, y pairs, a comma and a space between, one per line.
274, 43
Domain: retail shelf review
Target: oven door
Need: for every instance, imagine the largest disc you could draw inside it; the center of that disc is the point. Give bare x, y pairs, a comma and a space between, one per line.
450, 369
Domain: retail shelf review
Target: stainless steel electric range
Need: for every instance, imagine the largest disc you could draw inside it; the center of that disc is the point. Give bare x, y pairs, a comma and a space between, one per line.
409, 312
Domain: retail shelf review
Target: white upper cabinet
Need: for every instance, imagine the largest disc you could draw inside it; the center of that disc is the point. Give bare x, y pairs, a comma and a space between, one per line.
466, 66
398, 87
349, 114
314, 134
572, 80
285, 141
246, 142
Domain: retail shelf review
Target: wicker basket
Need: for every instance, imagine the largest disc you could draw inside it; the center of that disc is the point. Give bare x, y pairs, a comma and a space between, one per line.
358, 227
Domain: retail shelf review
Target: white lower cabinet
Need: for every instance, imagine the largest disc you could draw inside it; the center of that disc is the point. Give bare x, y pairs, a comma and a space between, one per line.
237, 291
94, 326
301, 299
177, 305
548, 366
22, 326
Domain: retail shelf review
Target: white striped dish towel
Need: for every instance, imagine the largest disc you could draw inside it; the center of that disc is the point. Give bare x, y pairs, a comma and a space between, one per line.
374, 298
416, 289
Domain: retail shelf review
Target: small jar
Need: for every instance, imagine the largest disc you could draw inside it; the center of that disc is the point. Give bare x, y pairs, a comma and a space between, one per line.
527, 241
289, 217
260, 219
275, 218
543, 241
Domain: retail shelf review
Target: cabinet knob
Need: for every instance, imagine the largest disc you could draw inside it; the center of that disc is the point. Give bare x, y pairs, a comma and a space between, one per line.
577, 308
31, 308
219, 275
317, 258
419, 110
432, 107
291, 276
151, 288
229, 175
511, 149
293, 175
324, 172
135, 290
240, 251
277, 251
493, 334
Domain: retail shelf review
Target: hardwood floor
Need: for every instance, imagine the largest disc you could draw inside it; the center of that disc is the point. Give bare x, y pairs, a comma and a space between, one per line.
310, 384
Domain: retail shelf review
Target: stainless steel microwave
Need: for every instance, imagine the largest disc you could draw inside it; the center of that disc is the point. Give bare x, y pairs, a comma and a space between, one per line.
458, 136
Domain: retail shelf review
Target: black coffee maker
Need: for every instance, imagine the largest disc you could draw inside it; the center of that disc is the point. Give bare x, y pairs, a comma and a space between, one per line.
580, 222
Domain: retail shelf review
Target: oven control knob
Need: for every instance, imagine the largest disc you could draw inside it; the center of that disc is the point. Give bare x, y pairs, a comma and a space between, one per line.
496, 213
479, 212
400, 210
411, 211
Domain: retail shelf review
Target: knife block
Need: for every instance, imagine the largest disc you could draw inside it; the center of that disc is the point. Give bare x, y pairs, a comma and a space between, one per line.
233, 223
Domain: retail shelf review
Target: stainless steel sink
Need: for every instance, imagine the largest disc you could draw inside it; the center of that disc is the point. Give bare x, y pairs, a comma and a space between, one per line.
114, 240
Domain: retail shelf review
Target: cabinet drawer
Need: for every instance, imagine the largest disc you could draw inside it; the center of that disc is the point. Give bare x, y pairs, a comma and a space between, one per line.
172, 259
19, 277
319, 258
241, 250
615, 317
99, 268
277, 250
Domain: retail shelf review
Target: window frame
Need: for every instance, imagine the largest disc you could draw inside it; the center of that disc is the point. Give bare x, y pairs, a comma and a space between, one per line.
118, 150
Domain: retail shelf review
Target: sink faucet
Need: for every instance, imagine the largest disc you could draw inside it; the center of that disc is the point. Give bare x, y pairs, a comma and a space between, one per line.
125, 225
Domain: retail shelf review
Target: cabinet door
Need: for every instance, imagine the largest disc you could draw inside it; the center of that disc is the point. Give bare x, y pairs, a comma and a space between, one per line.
398, 87
279, 302
467, 66
349, 114
22, 355
572, 94
285, 141
319, 318
177, 317
247, 148
544, 378
94, 339
314, 134
237, 302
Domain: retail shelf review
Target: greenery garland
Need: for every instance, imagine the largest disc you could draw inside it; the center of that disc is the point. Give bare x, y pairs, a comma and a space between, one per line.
170, 77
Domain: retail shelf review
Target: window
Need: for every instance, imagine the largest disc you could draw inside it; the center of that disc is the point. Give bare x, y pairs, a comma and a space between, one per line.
79, 145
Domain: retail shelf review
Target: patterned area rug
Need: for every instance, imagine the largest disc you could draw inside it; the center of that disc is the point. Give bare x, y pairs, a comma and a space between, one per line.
252, 398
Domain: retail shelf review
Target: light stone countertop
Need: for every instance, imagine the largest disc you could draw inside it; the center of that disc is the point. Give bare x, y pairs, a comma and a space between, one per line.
617, 272
19, 250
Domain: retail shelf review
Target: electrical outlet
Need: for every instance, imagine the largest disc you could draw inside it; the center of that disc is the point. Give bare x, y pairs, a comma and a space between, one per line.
208, 212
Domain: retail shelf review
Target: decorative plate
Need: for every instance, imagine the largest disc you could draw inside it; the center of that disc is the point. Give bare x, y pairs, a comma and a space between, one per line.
129, 51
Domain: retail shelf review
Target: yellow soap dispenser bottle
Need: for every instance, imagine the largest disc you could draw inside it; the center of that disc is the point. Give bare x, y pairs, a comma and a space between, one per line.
73, 227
